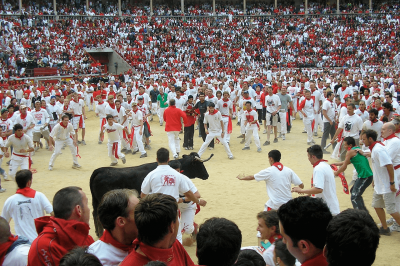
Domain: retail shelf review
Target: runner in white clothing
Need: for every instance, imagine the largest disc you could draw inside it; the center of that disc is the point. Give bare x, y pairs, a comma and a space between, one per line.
136, 137
78, 107
225, 106
101, 114
42, 119
273, 105
306, 108
123, 121
250, 118
26, 120
25, 206
63, 134
323, 180
114, 141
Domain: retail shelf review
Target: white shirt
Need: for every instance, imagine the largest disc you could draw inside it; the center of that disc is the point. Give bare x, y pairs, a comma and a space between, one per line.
307, 106
213, 121
278, 184
136, 117
113, 131
380, 158
23, 143
272, 103
122, 116
41, 117
6, 124
107, 253
317, 98
24, 211
26, 122
165, 180
77, 106
17, 257
61, 133
250, 117
101, 110
392, 146
323, 178
377, 126
224, 107
329, 107
111, 111
54, 110
364, 115
352, 125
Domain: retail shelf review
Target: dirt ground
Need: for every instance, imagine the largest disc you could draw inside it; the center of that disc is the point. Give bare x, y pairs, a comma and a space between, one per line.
227, 197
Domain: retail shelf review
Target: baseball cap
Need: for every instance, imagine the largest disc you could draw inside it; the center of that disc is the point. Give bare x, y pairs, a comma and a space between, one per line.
22, 106
140, 97
3, 110
376, 95
246, 92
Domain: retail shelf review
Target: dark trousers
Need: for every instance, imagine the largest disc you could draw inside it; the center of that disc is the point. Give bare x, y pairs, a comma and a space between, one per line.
328, 130
260, 115
204, 135
357, 190
188, 136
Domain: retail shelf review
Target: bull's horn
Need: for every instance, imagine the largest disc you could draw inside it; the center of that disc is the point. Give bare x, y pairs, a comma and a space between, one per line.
208, 158
198, 158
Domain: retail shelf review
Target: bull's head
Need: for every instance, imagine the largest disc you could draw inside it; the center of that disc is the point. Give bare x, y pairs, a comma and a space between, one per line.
192, 166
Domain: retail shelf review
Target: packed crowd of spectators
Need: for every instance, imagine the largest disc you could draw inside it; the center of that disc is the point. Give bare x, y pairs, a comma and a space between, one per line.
78, 7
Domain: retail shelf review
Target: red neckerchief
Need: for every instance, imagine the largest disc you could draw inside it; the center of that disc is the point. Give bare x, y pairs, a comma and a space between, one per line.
53, 104
280, 168
19, 137
397, 131
213, 113
390, 137
273, 238
322, 160
210, 97
362, 111
372, 122
43, 107
100, 103
258, 92
380, 108
373, 144
135, 111
5, 246
61, 102
27, 192
10, 115
118, 109
23, 116
66, 108
344, 88
343, 105
247, 98
109, 239
366, 97
61, 124
112, 105
227, 100
77, 100
129, 102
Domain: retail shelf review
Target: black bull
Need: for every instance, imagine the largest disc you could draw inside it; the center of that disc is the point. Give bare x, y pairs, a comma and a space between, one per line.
108, 178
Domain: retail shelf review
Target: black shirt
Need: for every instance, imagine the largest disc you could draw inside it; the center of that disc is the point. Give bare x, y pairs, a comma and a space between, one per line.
202, 106
153, 95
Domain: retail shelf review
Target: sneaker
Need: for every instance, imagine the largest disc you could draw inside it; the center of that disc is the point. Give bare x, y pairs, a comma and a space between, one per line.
240, 137
325, 152
36, 148
190, 148
143, 155
283, 136
304, 131
280, 135
390, 221
309, 143
265, 131
41, 145
8, 163
275, 140
259, 150
151, 119
197, 127
176, 157
230, 157
161, 125
76, 166
113, 164
134, 152
315, 134
260, 123
50, 168
147, 147
211, 148
123, 160
243, 140
83, 142
186, 148
394, 228
238, 123
79, 142
385, 232
266, 143
246, 148
2, 190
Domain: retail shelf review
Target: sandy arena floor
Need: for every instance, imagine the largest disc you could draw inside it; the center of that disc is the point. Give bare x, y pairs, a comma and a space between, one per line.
227, 197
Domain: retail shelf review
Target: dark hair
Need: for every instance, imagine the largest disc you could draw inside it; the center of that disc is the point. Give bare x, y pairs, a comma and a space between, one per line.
155, 263
175, 164
65, 200
249, 257
248, 102
118, 101
389, 94
328, 94
109, 116
211, 105
270, 218
113, 204
5, 231
162, 155
312, 215
64, 116
352, 105
275, 155
350, 141
79, 257
374, 111
283, 253
352, 239
17, 126
388, 106
22, 177
218, 242
315, 150
371, 134
202, 94
172, 102
190, 97
154, 215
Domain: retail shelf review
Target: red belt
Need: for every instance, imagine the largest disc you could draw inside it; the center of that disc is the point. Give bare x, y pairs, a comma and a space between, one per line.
27, 156
77, 115
397, 167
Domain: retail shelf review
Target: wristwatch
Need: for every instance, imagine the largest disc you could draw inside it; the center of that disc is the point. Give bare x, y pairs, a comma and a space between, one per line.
391, 183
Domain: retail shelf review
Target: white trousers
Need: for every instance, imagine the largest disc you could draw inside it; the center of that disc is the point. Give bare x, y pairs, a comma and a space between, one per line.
209, 138
57, 150
249, 132
318, 122
307, 124
282, 117
173, 141
154, 109
101, 123
188, 211
226, 122
17, 161
89, 96
111, 154
137, 140
161, 114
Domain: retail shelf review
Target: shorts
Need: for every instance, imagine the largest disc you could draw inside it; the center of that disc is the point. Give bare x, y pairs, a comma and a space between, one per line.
264, 113
272, 120
146, 132
75, 122
37, 135
387, 201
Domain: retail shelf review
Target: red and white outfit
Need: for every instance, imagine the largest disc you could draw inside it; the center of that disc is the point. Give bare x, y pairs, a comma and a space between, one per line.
318, 98
54, 112
101, 112
123, 121
172, 117
114, 141
136, 140
63, 136
78, 120
19, 159
251, 116
225, 107
363, 114
188, 211
26, 121
18, 254
307, 106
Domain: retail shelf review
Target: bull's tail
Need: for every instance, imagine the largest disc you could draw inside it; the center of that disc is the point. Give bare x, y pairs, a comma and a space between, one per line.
95, 204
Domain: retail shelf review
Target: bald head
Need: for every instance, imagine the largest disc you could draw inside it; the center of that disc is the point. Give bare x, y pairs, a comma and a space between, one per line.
4, 230
388, 129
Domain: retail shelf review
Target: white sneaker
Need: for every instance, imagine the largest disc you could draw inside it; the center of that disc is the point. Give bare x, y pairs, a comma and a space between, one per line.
76, 166
50, 168
265, 131
283, 136
231, 157
394, 228
2, 190
390, 220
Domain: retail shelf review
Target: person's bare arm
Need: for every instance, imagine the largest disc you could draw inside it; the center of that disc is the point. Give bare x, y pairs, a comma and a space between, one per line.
338, 130
189, 195
249, 177
390, 170
142, 195
346, 162
311, 191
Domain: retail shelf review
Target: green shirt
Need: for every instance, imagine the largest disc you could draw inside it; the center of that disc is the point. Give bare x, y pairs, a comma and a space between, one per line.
361, 164
163, 100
